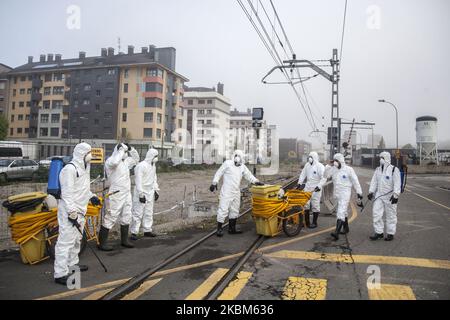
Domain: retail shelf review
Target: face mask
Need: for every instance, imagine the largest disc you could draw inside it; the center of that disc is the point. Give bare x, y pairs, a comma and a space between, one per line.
382, 161
311, 160
337, 164
237, 161
88, 158
155, 160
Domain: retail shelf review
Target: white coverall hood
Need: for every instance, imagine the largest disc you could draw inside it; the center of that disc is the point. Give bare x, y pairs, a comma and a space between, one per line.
340, 157
315, 157
386, 156
79, 152
241, 155
151, 154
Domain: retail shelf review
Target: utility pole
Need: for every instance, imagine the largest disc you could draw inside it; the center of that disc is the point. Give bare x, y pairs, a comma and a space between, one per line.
334, 132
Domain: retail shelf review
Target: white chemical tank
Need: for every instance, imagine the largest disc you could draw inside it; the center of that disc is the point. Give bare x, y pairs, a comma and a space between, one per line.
426, 138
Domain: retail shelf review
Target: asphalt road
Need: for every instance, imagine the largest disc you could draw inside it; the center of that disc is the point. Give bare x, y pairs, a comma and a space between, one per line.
416, 265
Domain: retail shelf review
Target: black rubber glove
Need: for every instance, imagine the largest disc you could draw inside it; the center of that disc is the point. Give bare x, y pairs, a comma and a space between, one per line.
317, 189
142, 199
301, 186
259, 183
95, 201
370, 196
128, 145
73, 218
394, 200
213, 187
156, 196
360, 196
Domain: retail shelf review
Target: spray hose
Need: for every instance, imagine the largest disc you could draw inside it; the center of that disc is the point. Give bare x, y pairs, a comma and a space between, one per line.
266, 208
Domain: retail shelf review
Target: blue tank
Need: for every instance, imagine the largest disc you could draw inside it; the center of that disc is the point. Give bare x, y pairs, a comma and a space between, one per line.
53, 186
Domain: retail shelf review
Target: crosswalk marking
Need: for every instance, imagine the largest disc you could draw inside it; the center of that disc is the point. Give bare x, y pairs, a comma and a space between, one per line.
207, 285
365, 259
298, 288
235, 287
141, 290
391, 292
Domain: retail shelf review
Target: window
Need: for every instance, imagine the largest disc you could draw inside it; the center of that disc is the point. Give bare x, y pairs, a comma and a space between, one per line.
201, 101
154, 72
13, 106
58, 90
87, 87
54, 132
2, 85
43, 132
26, 130
111, 72
14, 92
108, 115
57, 77
55, 118
98, 93
21, 104
209, 101
190, 102
148, 117
208, 122
44, 118
148, 132
47, 91
99, 78
153, 103
57, 104
124, 132
23, 78
86, 102
201, 112
22, 91
108, 100
201, 122
29, 91
97, 107
125, 73
15, 80
209, 111
180, 123
125, 88
20, 117
159, 118
12, 118
153, 87
19, 130
11, 131
109, 85
75, 103
125, 103
124, 117
158, 133
27, 117
107, 130
96, 121
28, 104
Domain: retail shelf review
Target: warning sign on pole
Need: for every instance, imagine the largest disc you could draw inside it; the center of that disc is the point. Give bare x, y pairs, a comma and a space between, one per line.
97, 155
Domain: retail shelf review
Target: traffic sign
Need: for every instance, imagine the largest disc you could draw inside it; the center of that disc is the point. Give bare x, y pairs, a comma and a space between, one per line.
97, 155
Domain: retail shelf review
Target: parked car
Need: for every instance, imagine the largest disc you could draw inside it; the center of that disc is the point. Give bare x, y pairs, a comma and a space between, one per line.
18, 169
46, 162
178, 161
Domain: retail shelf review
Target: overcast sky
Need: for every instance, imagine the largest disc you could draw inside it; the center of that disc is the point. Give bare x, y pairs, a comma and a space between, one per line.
402, 56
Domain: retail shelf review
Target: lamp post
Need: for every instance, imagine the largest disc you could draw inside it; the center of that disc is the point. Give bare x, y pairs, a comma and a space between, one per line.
163, 134
396, 118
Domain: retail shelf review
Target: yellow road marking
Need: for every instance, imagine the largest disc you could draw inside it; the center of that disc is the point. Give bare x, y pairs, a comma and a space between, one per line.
365, 259
207, 285
391, 292
298, 288
428, 199
97, 294
141, 290
235, 287
191, 266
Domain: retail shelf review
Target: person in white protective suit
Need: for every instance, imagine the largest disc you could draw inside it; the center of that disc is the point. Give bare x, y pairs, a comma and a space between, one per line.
344, 178
313, 174
145, 194
232, 172
386, 186
74, 180
117, 170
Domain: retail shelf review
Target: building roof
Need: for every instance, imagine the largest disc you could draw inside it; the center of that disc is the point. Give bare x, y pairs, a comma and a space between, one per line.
121, 59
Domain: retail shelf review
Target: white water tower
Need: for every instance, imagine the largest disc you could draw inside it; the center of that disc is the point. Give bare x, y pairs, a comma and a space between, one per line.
426, 137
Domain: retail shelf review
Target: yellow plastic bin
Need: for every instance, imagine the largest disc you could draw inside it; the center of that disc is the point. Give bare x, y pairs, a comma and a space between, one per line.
33, 250
267, 226
266, 191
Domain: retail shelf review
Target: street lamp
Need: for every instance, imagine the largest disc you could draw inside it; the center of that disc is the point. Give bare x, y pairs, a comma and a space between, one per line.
396, 115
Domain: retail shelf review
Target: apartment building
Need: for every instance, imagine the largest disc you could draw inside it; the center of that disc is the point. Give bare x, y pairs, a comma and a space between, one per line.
3, 88
207, 114
133, 96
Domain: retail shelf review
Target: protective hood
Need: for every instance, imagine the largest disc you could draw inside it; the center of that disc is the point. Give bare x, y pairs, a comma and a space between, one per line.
315, 156
151, 154
79, 152
340, 157
240, 154
386, 156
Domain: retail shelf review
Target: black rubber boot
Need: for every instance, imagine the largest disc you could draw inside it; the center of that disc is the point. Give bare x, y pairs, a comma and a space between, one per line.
232, 227
389, 237
307, 224
335, 234
345, 227
314, 223
124, 241
219, 232
149, 234
103, 239
376, 236
62, 280
134, 237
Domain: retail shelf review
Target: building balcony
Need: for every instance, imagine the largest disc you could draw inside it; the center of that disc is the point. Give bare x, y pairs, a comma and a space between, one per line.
208, 125
36, 96
36, 83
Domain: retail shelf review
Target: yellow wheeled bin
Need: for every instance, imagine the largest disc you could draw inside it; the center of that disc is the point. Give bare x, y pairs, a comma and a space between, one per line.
266, 222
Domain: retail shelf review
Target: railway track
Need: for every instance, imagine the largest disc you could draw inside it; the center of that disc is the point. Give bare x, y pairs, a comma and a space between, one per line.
132, 284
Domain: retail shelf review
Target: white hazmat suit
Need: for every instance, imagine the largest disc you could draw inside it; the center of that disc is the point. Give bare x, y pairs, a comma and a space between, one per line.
230, 193
75, 194
344, 178
313, 174
385, 183
146, 186
117, 168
